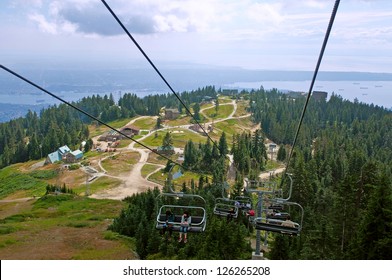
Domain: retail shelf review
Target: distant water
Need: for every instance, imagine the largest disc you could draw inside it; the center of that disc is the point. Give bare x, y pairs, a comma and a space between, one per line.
73, 84
376, 92
43, 98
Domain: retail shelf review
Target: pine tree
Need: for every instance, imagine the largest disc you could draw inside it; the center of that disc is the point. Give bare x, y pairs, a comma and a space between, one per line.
223, 148
207, 154
281, 156
196, 111
280, 248
215, 152
167, 142
216, 106
375, 235
190, 155
159, 123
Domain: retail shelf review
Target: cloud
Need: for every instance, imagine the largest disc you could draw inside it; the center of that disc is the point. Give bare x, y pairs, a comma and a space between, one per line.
265, 12
22, 3
320, 4
142, 17
43, 24
96, 20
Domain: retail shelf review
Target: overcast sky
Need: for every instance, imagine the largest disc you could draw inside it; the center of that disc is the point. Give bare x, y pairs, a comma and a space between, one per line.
251, 34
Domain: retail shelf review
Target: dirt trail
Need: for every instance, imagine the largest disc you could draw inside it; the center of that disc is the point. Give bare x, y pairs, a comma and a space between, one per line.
266, 175
135, 183
132, 184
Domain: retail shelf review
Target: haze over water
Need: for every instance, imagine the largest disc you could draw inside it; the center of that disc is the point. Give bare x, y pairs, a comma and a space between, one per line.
370, 92
73, 85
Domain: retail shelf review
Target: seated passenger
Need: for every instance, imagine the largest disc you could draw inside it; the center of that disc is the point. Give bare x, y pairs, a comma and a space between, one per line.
288, 223
168, 225
186, 221
250, 213
230, 215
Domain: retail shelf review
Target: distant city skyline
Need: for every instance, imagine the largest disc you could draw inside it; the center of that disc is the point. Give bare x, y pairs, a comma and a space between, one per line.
249, 34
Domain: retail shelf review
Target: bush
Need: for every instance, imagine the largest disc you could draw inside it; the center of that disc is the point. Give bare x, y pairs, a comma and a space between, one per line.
74, 166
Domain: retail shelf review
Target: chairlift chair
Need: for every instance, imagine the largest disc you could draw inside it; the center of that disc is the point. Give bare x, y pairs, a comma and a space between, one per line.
280, 224
225, 207
258, 186
198, 213
245, 202
222, 209
278, 216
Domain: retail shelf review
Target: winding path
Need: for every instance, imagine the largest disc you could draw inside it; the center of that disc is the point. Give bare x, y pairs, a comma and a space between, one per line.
134, 182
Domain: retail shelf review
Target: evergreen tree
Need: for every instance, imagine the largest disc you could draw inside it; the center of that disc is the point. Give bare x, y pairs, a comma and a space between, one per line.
167, 142
88, 146
190, 155
223, 148
159, 123
215, 152
280, 248
207, 154
196, 111
375, 235
216, 105
281, 156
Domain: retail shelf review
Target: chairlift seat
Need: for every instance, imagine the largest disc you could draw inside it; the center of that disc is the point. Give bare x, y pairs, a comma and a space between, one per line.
196, 224
222, 209
279, 216
278, 207
275, 225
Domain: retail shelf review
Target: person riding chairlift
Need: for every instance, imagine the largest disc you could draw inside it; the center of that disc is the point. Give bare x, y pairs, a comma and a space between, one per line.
186, 220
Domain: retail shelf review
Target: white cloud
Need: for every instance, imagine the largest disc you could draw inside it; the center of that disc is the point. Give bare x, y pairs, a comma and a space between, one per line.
266, 13
44, 25
320, 4
143, 17
214, 30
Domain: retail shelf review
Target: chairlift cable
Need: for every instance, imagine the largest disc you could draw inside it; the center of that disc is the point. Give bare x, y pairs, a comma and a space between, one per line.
86, 113
326, 37
158, 72
153, 65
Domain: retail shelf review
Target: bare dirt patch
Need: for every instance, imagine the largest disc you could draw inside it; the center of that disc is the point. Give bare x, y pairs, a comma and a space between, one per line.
12, 206
53, 233
65, 243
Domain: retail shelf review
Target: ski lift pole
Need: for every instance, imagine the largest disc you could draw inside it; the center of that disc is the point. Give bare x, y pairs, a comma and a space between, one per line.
259, 207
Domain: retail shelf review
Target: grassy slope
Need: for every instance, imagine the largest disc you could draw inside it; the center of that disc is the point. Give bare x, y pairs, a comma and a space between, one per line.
56, 227
62, 227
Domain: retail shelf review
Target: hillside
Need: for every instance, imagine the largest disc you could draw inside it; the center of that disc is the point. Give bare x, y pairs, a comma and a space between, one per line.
341, 170
75, 226
61, 227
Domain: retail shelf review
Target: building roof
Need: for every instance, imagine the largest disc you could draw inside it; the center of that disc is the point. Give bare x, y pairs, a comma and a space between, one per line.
172, 110
55, 156
319, 94
78, 154
130, 127
176, 175
64, 149
161, 148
